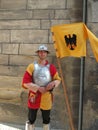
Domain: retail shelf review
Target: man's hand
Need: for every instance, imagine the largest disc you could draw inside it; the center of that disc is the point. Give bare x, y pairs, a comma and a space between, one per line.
50, 86
53, 84
31, 86
42, 89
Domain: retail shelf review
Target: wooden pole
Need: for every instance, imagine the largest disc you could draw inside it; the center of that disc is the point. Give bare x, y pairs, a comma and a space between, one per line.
66, 96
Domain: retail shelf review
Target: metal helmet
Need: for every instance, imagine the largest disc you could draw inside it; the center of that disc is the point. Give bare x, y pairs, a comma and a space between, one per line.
43, 48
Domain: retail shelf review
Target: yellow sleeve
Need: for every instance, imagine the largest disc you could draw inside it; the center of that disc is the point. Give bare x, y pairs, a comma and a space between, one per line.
30, 69
56, 76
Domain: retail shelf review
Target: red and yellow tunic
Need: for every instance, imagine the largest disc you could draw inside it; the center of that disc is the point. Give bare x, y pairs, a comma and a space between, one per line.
43, 101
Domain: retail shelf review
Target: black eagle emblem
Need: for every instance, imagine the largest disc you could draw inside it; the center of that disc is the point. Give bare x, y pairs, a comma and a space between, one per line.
70, 41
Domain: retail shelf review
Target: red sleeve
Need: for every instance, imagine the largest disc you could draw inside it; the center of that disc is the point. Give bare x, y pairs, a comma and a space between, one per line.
52, 70
27, 78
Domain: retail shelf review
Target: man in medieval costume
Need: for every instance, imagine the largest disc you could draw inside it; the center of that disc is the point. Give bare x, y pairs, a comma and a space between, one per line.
40, 78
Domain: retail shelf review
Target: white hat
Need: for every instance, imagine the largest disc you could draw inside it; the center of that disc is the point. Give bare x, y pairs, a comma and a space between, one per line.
43, 48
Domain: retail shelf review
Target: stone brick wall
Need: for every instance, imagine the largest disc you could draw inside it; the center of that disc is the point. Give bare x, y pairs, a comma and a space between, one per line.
24, 24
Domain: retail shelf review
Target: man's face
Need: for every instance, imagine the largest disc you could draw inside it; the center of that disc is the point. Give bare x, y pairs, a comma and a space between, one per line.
42, 54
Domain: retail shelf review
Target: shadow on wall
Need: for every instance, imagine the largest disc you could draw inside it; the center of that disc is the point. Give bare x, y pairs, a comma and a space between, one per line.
94, 125
92, 95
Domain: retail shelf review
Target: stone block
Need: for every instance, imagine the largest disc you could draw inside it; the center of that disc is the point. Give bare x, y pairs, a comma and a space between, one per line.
45, 24
46, 4
14, 70
61, 14
10, 48
16, 14
43, 14
20, 70
28, 49
93, 28
10, 94
8, 70
20, 24
94, 10
75, 14
29, 36
10, 82
3, 59
74, 4
57, 22
22, 60
13, 4
4, 35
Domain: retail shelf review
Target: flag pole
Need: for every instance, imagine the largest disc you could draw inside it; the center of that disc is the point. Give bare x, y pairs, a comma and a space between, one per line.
66, 97
65, 93
80, 122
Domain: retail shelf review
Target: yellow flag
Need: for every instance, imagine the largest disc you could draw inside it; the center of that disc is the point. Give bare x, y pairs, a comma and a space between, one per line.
93, 42
70, 40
